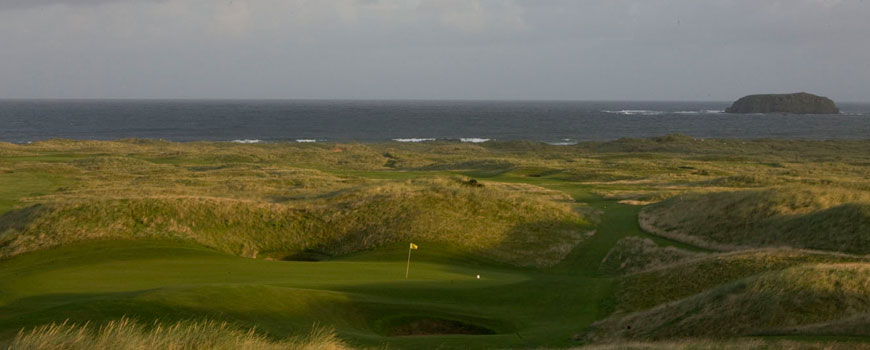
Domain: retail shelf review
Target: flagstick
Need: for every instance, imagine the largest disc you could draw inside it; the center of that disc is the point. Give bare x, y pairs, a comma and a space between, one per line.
408, 268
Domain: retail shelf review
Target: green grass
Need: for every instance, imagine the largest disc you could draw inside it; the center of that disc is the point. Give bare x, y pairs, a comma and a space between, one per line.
152, 230
15, 186
162, 280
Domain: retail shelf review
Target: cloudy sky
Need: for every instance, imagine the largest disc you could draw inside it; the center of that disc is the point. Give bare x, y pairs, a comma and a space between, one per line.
434, 49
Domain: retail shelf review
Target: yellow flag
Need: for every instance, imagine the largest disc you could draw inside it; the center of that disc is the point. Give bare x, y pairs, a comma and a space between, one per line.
413, 246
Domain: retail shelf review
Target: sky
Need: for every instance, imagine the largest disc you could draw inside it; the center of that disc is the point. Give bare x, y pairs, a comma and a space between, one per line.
678, 50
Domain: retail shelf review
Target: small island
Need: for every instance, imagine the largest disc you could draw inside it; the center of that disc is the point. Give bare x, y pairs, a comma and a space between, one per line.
797, 103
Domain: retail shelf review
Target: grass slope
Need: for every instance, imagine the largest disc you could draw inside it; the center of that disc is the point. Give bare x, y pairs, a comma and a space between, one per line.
767, 303
826, 219
635, 254
521, 225
673, 282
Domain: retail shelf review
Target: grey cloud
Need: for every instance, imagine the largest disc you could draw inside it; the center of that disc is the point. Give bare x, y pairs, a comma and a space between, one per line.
556, 49
25, 4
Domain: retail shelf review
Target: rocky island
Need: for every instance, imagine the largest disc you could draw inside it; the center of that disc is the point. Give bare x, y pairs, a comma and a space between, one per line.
797, 103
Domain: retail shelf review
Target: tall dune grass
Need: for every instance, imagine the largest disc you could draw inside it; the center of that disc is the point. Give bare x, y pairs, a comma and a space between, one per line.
668, 283
518, 224
127, 334
826, 218
769, 303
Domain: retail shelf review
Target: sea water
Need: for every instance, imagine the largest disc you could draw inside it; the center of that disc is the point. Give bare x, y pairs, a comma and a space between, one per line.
555, 122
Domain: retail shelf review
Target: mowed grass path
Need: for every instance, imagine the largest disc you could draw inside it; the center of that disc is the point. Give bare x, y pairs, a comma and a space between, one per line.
358, 294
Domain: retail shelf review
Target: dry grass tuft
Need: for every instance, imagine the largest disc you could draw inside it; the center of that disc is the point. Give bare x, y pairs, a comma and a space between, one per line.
127, 334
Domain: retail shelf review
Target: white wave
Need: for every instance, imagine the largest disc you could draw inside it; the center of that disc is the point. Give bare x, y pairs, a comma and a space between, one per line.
635, 112
415, 139
564, 142
852, 114
703, 111
306, 140
474, 139
247, 141
652, 112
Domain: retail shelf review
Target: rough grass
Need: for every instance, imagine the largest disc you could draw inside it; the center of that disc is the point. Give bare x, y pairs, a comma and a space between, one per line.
518, 224
813, 218
127, 334
767, 303
635, 254
646, 289
858, 325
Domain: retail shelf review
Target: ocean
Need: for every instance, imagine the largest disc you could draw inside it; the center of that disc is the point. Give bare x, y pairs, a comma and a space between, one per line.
555, 122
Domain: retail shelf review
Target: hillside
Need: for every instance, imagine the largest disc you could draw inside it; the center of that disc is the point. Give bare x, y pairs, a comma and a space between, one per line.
518, 224
812, 218
666, 283
763, 304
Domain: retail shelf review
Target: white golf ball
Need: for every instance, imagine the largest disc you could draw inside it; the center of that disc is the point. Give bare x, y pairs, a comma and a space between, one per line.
478, 276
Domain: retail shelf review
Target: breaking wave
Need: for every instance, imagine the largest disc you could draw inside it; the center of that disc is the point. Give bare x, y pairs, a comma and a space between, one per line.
563, 142
474, 139
635, 112
415, 139
654, 112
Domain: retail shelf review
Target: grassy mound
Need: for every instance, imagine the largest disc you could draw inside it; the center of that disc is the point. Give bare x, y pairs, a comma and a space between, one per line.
766, 303
126, 334
517, 224
827, 219
668, 283
635, 254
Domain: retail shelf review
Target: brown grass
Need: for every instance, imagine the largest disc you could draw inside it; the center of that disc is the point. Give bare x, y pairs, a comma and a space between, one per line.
126, 334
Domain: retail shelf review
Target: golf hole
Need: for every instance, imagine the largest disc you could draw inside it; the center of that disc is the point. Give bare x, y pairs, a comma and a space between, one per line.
433, 326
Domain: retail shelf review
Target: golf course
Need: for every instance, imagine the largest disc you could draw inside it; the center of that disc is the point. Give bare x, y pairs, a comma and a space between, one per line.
670, 242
